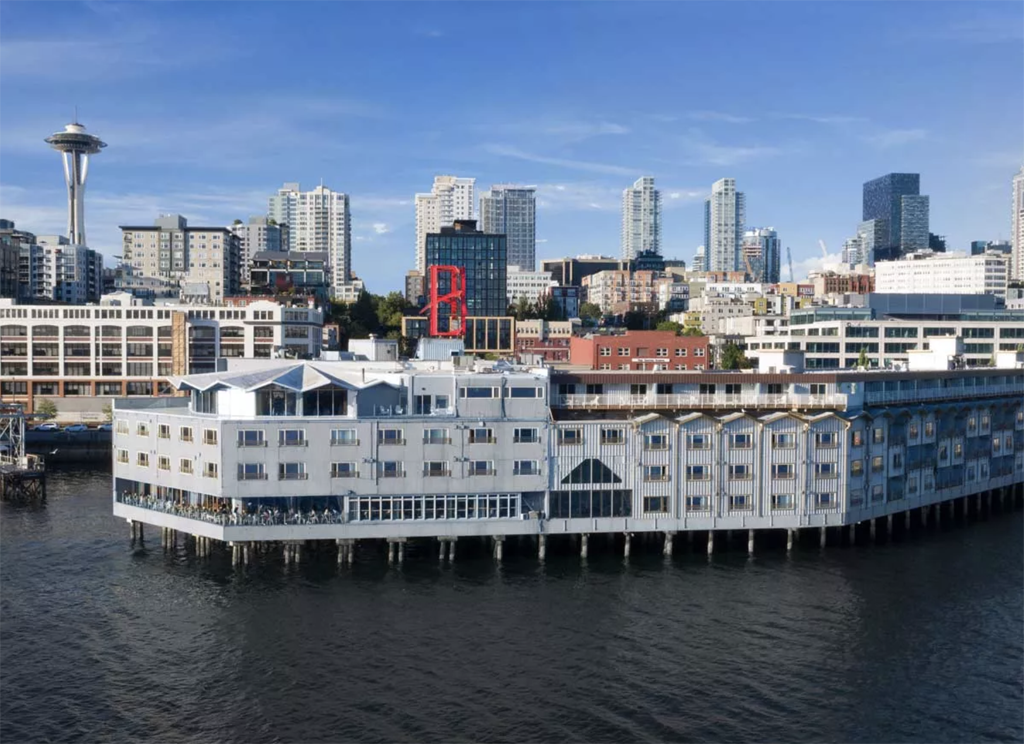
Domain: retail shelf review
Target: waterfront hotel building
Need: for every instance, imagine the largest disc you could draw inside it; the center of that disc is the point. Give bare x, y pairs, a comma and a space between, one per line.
340, 451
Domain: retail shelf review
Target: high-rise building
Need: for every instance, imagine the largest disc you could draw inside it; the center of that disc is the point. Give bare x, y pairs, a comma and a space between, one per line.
202, 262
483, 256
872, 234
512, 211
317, 220
450, 199
853, 251
699, 260
895, 201
997, 246
259, 235
761, 253
724, 217
641, 218
75, 147
1017, 237
51, 269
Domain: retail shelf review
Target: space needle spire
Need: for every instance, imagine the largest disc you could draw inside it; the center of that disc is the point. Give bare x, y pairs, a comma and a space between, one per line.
75, 146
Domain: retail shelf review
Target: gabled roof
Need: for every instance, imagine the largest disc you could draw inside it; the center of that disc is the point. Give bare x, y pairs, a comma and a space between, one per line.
300, 377
646, 419
738, 415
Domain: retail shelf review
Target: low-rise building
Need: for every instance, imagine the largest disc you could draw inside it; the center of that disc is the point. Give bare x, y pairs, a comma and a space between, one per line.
525, 283
544, 340
926, 272
294, 273
640, 350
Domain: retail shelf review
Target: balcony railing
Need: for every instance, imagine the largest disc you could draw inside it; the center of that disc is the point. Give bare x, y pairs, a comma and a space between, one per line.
916, 396
695, 400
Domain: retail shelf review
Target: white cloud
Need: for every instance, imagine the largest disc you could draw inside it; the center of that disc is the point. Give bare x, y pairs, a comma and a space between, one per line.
718, 116
825, 119
381, 228
896, 137
699, 149
512, 152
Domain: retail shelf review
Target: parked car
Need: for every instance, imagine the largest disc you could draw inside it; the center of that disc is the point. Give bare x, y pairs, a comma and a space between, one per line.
105, 427
48, 426
76, 427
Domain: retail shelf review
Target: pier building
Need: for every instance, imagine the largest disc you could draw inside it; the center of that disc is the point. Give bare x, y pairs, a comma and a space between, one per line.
294, 452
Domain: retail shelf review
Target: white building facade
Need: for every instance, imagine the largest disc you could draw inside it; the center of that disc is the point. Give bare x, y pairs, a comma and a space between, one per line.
529, 284
925, 272
641, 218
724, 218
318, 220
1017, 252
451, 198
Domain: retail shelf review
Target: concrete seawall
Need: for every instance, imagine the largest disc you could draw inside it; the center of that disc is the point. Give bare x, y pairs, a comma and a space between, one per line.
64, 446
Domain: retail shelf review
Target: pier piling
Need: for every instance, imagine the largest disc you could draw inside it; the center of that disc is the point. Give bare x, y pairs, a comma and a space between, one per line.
750, 542
789, 540
823, 540
711, 542
667, 550
584, 540
542, 547
625, 547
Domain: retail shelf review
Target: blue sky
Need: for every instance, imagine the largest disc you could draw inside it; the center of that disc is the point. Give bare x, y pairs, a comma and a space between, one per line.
208, 108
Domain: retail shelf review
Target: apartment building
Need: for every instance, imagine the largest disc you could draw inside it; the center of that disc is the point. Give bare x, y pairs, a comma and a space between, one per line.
546, 340
526, 283
122, 347
640, 350
255, 236
450, 199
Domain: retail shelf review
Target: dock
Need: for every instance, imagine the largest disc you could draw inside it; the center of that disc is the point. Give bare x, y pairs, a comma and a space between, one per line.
22, 476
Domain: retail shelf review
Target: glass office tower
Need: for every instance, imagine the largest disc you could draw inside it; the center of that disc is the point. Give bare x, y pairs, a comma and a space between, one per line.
484, 258
884, 201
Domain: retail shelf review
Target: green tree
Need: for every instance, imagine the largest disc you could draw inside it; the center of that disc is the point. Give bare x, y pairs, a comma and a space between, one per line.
237, 222
732, 357
523, 309
692, 331
46, 408
108, 412
862, 359
669, 325
390, 311
590, 311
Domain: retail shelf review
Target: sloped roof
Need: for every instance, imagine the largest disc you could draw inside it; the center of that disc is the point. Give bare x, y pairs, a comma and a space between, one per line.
300, 377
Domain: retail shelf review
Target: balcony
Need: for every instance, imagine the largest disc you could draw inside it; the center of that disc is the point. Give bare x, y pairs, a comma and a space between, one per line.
920, 396
695, 400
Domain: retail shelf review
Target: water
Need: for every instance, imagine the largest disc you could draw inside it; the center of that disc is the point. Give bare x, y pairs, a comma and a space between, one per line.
917, 641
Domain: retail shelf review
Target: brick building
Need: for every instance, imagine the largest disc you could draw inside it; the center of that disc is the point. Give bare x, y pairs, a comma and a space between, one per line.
641, 350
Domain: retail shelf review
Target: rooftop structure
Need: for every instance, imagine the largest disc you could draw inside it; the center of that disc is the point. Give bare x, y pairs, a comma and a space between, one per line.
75, 147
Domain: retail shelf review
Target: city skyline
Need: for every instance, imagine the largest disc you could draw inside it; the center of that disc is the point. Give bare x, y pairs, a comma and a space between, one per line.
801, 153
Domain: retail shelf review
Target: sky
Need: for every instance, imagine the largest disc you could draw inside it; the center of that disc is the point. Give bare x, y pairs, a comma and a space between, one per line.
208, 108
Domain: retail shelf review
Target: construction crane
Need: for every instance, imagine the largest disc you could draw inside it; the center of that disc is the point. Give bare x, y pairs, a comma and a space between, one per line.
824, 250
789, 259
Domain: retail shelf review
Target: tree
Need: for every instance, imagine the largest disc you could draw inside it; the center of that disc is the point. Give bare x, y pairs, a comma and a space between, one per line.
732, 357
46, 408
108, 412
669, 325
390, 311
692, 331
590, 311
862, 358
523, 309
237, 222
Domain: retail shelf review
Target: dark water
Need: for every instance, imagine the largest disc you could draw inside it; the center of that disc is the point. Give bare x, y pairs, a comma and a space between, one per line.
918, 641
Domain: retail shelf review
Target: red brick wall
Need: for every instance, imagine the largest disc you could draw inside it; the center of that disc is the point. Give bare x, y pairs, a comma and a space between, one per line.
639, 344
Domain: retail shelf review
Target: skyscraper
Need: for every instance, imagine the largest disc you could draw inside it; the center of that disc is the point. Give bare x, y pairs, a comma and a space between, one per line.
512, 211
258, 235
75, 147
641, 218
895, 201
317, 220
724, 217
450, 199
761, 253
482, 255
1017, 252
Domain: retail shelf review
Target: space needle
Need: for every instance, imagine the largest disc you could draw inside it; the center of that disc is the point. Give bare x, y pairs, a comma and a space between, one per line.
76, 146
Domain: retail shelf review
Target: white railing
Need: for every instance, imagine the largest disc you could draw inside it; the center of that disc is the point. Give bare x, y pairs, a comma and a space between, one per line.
916, 396
695, 400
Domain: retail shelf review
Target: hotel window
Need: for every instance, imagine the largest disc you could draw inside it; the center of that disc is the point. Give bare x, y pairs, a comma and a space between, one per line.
877, 464
739, 502
435, 436
605, 366
142, 430
604, 351
525, 436
784, 471
343, 437
291, 471
122, 427
251, 438
612, 436
481, 467
996, 445
856, 497
435, 468
699, 351
525, 467
782, 501
696, 503
877, 493
390, 436
655, 504
698, 441
661, 352
210, 470
825, 439
878, 435
623, 351
163, 431
912, 431
481, 436
680, 352
655, 472
570, 436
343, 470
958, 449
163, 463
624, 366
478, 392
739, 472
824, 500
391, 469
818, 388
638, 389
185, 434
122, 456
856, 467
185, 466
655, 442
209, 436
929, 428
698, 472
251, 471
742, 441
783, 440
825, 469
897, 460
774, 388
524, 392
857, 439
972, 425
985, 424
1009, 443
291, 438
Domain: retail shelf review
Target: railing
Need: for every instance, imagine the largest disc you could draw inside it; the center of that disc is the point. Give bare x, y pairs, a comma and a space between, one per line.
692, 400
265, 518
915, 396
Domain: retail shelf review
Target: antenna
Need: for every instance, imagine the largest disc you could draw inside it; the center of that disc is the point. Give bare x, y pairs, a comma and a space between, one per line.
75, 120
